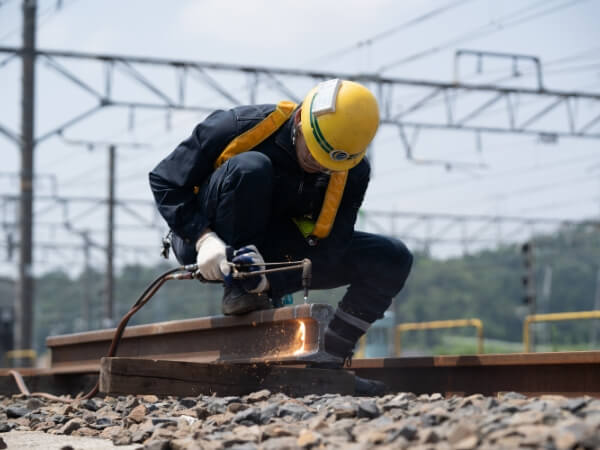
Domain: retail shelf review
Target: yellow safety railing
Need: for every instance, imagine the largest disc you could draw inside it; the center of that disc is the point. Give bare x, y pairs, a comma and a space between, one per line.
554, 317
362, 347
21, 354
438, 324
20, 358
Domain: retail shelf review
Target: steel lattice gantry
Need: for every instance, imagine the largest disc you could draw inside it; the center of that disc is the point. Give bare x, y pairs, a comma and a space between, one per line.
519, 110
470, 231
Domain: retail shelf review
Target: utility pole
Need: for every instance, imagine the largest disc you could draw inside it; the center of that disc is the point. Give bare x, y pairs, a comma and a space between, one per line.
109, 289
544, 304
528, 279
24, 304
109, 294
86, 280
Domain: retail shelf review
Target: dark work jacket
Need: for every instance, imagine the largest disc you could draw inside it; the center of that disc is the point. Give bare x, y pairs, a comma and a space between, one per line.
295, 192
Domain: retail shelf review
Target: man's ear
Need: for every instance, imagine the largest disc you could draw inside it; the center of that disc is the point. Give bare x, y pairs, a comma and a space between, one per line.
297, 116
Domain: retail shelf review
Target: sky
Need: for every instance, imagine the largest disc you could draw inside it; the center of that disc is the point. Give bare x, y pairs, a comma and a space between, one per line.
507, 175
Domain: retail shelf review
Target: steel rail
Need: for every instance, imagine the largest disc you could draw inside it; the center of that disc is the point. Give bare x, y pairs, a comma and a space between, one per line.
284, 335
572, 374
273, 337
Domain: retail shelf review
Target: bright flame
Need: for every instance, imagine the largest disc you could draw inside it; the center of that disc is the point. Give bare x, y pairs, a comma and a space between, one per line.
300, 338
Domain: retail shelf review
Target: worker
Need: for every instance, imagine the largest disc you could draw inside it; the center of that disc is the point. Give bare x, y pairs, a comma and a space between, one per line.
279, 183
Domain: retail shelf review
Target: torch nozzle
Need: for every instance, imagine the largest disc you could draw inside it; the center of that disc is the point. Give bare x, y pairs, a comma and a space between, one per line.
306, 277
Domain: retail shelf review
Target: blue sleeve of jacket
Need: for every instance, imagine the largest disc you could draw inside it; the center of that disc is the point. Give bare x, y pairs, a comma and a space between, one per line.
172, 181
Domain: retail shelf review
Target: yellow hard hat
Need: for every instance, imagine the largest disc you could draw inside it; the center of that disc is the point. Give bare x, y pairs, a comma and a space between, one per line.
339, 120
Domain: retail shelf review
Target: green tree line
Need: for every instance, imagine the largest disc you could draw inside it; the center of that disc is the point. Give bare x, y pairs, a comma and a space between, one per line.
486, 284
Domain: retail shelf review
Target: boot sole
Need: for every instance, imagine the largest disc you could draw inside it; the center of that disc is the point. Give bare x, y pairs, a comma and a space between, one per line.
365, 387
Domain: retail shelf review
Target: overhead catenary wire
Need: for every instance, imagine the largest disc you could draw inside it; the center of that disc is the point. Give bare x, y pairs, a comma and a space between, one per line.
545, 186
576, 69
559, 205
129, 177
391, 31
505, 173
382, 35
63, 158
501, 25
528, 190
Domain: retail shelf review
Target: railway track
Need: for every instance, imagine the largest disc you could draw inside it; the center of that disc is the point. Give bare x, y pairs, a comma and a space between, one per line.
292, 337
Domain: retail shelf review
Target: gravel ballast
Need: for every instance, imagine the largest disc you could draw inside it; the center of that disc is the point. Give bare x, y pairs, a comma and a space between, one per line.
263, 420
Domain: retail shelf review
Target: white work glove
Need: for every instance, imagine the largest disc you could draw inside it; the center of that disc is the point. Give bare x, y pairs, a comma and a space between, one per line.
212, 257
250, 260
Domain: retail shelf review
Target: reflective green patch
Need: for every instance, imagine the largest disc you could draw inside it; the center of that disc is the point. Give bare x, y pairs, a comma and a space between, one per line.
306, 226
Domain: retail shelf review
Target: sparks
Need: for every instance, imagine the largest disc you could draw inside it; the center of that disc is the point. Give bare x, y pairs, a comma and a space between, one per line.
300, 338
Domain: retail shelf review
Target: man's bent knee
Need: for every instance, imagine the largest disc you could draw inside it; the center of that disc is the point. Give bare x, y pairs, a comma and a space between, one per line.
401, 260
392, 266
391, 257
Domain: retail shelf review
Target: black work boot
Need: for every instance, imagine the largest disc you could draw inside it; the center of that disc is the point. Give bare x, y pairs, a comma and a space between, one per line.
341, 336
236, 300
343, 348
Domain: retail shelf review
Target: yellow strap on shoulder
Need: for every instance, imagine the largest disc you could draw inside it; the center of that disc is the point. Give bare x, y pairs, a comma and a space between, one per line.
265, 128
331, 203
258, 133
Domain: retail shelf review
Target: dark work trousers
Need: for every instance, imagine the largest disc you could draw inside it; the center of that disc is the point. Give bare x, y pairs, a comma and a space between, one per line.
238, 199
